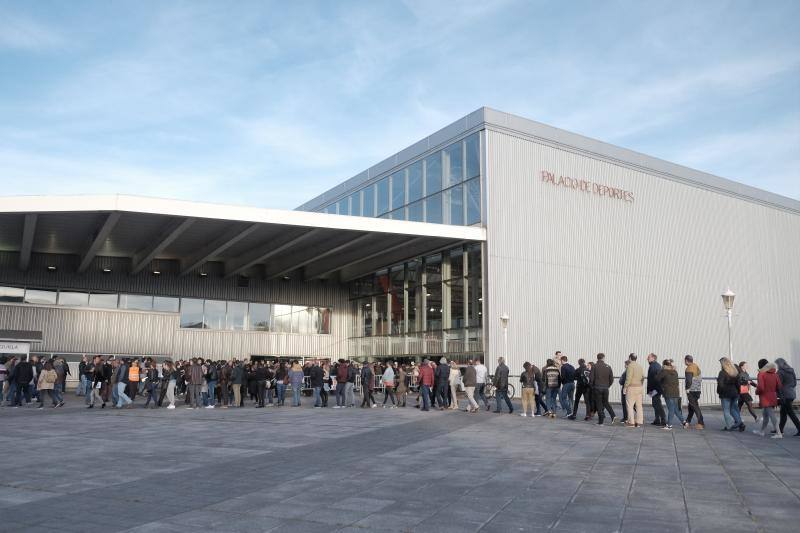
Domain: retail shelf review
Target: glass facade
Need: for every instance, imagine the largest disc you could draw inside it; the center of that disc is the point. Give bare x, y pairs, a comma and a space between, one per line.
427, 306
442, 188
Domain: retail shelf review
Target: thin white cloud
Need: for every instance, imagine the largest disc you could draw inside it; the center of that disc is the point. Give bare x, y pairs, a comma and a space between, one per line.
24, 33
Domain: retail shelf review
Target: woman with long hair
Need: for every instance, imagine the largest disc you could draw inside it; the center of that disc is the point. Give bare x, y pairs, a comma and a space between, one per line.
668, 379
402, 388
171, 376
768, 386
745, 382
786, 395
728, 392
388, 386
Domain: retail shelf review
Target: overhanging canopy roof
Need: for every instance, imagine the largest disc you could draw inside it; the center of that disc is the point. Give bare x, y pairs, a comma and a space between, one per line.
313, 245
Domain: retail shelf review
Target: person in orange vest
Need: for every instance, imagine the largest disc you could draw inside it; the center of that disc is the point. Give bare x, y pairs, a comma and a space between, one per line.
133, 379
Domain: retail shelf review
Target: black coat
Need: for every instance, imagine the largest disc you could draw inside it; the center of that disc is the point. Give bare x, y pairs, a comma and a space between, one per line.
727, 386
315, 376
23, 373
652, 379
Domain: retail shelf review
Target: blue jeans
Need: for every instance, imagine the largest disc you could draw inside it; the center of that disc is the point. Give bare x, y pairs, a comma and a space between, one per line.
426, 397
502, 395
121, 396
296, 389
674, 408
12, 392
317, 399
340, 400
114, 394
82, 387
281, 392
730, 410
566, 396
58, 393
480, 393
552, 394
212, 387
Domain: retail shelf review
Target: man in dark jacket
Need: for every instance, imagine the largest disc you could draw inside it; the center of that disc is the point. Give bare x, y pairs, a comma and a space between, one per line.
122, 384
501, 386
442, 375
22, 375
342, 371
654, 390
567, 385
601, 379
237, 381
367, 385
315, 375
582, 388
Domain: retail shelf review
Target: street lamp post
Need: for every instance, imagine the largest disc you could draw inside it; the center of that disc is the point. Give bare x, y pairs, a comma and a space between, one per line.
727, 300
504, 323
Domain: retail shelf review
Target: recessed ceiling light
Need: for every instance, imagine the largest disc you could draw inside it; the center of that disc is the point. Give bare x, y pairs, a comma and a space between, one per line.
51, 267
106, 270
156, 272
286, 278
203, 274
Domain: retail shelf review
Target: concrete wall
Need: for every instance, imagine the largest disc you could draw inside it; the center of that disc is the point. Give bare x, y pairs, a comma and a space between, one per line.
583, 273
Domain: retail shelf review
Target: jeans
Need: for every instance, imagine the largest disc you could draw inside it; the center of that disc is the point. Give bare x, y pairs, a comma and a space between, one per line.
194, 395
441, 394
730, 411
340, 389
84, 387
171, 392
349, 395
114, 393
212, 386
768, 415
660, 416
674, 409
388, 392
426, 397
566, 397
693, 397
11, 395
152, 393
121, 396
788, 410
540, 405
281, 392
551, 400
317, 400
502, 394
481, 389
20, 391
602, 405
56, 394
296, 390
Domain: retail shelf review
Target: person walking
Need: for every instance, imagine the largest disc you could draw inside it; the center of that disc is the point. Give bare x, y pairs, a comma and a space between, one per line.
530, 386
315, 379
728, 392
633, 391
402, 386
787, 394
426, 377
455, 377
97, 380
151, 383
367, 386
170, 375
693, 382
745, 382
601, 379
567, 385
47, 383
552, 382
501, 386
350, 386
624, 402
769, 384
469, 381
442, 375
539, 395
654, 390
668, 381
582, 388
481, 377
388, 386
122, 384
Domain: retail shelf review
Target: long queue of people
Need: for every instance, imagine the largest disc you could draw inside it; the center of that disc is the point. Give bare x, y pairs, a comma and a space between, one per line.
558, 385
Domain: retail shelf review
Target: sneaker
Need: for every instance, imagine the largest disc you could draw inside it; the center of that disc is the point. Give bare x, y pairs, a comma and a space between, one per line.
759, 432
170, 407
209, 406
667, 427
374, 406
777, 436
189, 407
629, 425
40, 407
523, 415
337, 406
570, 417
741, 427
90, 406
614, 420
685, 425
60, 404
699, 426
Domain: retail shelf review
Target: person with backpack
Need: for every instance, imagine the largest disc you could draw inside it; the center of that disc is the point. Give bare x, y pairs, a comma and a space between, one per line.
481, 375
633, 391
122, 383
552, 382
786, 394
47, 383
582, 388
693, 382
769, 383
654, 390
401, 390
728, 392
529, 389
212, 376
601, 378
745, 382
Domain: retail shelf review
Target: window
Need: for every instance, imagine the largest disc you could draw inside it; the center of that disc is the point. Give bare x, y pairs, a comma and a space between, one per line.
191, 313
355, 204
383, 196
40, 296
165, 304
453, 165
12, 294
473, 201
433, 209
302, 319
214, 314
433, 268
260, 317
331, 209
415, 212
475, 302
454, 200
136, 302
237, 316
473, 153
344, 206
103, 301
415, 181
456, 290
433, 307
433, 174
456, 263
73, 298
381, 315
325, 320
366, 313
283, 318
398, 189
369, 201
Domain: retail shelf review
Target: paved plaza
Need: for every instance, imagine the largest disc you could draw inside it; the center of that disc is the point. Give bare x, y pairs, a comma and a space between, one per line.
289, 469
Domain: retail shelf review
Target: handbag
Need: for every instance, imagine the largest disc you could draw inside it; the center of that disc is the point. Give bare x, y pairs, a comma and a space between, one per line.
744, 389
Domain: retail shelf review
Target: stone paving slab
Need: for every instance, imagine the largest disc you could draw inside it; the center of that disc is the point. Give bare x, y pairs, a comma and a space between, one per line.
304, 469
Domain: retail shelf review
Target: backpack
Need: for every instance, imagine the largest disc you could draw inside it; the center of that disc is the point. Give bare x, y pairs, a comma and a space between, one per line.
583, 377
212, 373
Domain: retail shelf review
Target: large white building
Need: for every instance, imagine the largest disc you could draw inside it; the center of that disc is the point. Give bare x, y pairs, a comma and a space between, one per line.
584, 246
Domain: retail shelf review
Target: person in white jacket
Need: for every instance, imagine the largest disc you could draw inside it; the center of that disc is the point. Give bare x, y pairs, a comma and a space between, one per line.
454, 378
388, 386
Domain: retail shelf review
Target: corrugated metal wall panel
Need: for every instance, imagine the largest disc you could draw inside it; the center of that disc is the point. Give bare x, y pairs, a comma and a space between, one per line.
582, 273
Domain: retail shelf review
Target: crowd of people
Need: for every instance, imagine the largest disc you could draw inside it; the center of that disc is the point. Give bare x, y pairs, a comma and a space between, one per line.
557, 386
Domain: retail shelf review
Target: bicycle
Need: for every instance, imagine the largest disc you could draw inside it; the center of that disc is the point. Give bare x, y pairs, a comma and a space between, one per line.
489, 390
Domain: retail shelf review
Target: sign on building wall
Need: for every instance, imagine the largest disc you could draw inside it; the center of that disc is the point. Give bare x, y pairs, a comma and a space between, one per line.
15, 347
587, 186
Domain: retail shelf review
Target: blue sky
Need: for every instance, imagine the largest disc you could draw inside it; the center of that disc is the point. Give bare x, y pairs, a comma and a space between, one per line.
271, 103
